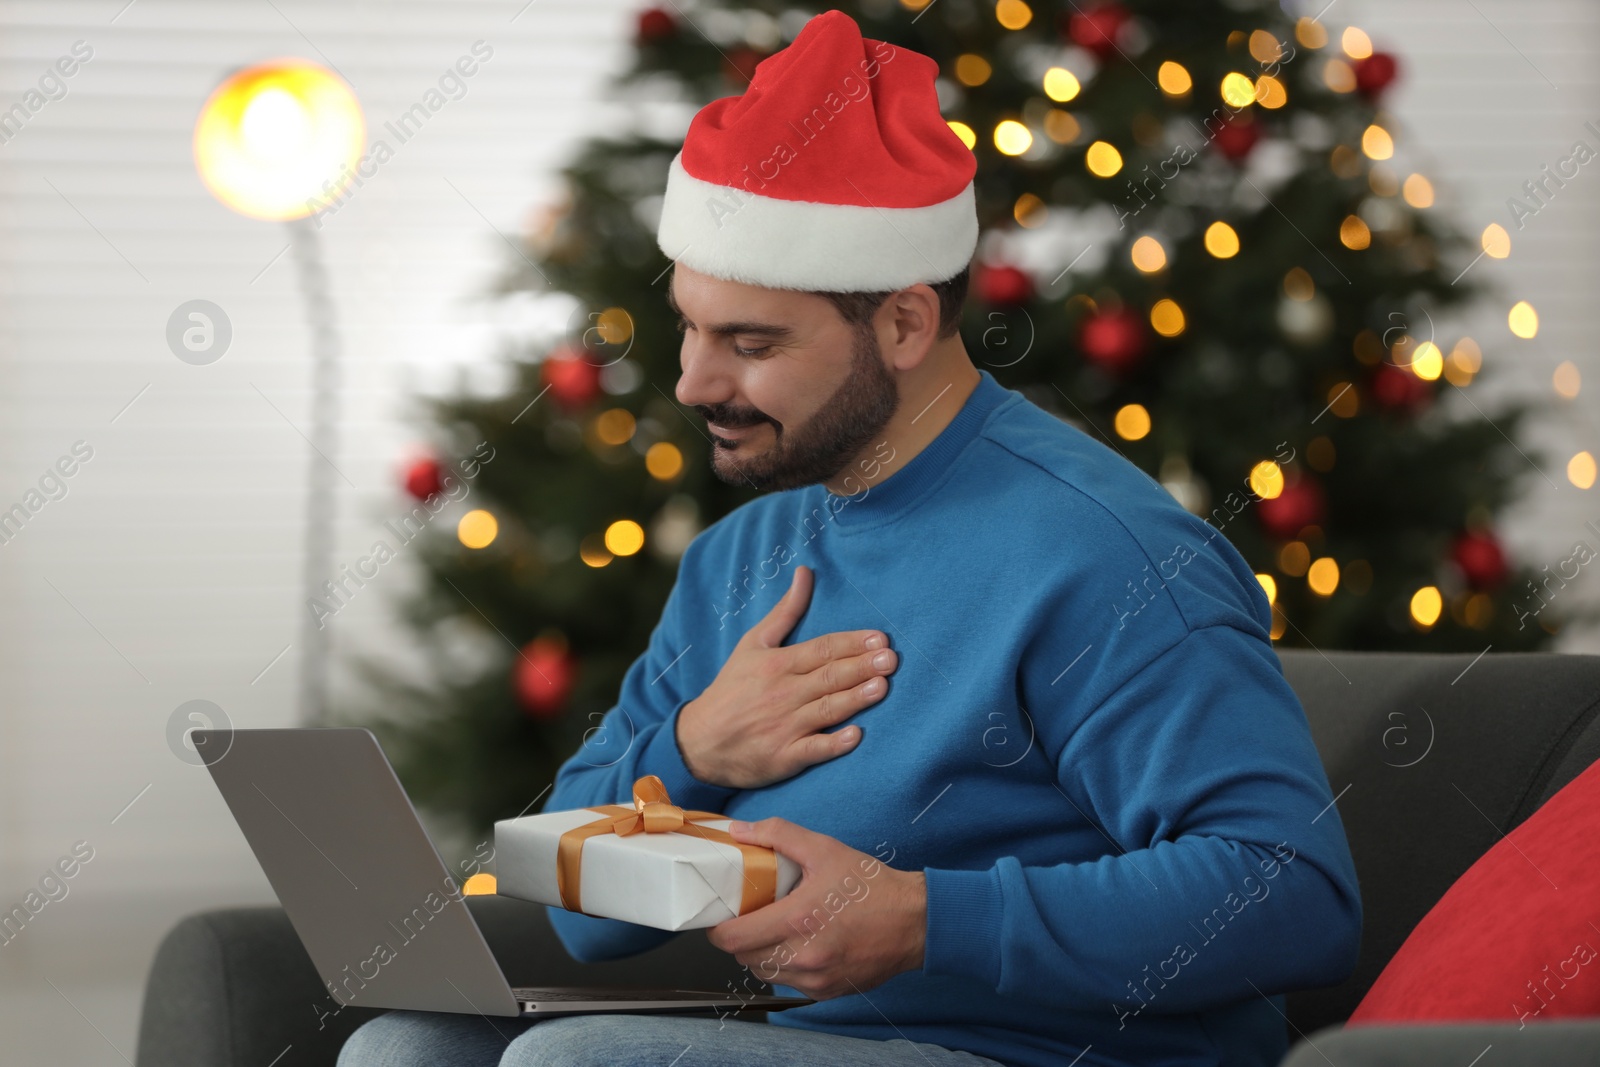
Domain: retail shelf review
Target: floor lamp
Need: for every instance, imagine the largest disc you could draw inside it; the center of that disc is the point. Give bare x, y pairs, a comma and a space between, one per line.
279, 141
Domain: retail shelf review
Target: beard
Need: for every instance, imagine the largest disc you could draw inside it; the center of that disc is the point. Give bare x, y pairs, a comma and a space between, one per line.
819, 448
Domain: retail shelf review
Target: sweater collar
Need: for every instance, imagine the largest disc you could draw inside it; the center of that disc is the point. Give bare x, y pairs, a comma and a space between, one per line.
911, 482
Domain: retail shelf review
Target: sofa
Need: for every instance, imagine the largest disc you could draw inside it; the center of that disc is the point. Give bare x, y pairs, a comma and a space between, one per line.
1411, 742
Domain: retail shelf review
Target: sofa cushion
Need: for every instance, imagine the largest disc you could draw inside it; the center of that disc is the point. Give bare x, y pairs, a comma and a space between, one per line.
1515, 938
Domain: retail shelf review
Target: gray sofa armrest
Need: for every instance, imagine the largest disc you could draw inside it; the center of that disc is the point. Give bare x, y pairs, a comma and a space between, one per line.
235, 988
1574, 1043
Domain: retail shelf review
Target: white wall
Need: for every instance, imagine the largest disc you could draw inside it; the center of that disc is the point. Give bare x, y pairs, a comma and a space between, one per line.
171, 569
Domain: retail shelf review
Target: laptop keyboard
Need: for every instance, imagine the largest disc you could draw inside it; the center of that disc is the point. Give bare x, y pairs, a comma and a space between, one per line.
616, 994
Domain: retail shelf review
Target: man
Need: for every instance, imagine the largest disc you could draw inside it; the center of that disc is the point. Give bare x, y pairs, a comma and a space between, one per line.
1074, 814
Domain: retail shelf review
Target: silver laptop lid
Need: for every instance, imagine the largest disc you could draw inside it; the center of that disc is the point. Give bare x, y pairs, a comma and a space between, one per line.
368, 894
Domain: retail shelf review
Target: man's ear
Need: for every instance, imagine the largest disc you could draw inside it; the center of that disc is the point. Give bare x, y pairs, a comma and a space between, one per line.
913, 324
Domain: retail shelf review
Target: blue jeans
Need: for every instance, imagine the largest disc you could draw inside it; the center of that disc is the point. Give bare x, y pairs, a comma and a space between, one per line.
441, 1039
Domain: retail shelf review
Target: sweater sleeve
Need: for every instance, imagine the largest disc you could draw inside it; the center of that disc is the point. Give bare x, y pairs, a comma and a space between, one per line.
638, 736
1226, 873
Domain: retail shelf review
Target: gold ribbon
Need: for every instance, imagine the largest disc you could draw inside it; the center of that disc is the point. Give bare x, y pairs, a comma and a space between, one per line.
654, 813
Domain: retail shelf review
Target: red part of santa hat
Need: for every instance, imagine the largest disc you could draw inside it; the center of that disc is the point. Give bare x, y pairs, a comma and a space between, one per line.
834, 171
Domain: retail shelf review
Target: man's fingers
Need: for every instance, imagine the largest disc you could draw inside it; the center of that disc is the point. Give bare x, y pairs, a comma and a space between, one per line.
772, 630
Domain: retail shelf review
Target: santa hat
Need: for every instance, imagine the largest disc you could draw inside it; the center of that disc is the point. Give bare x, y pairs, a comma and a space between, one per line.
834, 171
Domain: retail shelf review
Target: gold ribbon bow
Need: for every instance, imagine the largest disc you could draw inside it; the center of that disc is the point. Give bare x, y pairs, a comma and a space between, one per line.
654, 813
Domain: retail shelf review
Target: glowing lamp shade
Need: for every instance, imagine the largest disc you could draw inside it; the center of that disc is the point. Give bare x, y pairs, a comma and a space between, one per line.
279, 140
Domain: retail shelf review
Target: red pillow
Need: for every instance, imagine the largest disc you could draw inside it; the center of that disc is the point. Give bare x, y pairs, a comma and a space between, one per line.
1516, 938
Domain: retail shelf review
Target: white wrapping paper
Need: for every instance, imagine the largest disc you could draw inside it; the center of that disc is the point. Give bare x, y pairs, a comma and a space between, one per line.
671, 881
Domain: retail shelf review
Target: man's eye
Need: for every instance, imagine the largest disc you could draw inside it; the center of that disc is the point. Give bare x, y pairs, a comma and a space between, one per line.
748, 352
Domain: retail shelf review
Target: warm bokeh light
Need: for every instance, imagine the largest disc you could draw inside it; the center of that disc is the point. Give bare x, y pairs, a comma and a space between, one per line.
477, 529
1353, 233
1029, 210
1426, 603
1376, 142
965, 132
1311, 33
1323, 576
1221, 240
1427, 362
480, 885
1012, 137
1523, 320
1270, 92
1102, 159
1266, 479
624, 537
1132, 422
1297, 284
1294, 558
280, 140
1356, 43
1418, 191
1013, 14
1339, 76
592, 550
1344, 400
1060, 84
1496, 241
1264, 48
1061, 126
972, 69
1174, 78
1269, 585
1237, 90
1463, 363
1148, 255
1581, 469
615, 427
1166, 318
1566, 379
663, 460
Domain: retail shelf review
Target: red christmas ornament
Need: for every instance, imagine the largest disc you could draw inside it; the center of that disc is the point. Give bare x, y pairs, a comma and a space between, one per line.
656, 25
543, 676
572, 379
1114, 340
1375, 73
1399, 390
424, 477
1301, 504
1236, 138
1479, 556
1096, 28
1003, 285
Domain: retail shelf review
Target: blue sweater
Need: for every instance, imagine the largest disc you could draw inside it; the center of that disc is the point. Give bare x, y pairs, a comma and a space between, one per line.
1088, 746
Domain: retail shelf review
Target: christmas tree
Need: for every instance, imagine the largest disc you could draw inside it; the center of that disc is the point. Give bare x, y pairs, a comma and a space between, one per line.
1199, 247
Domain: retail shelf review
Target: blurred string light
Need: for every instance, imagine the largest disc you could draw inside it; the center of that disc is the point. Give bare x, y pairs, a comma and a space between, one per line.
1102, 159
276, 140
972, 70
1426, 605
1266, 479
1323, 576
664, 461
1174, 79
1310, 32
1427, 362
1269, 585
1166, 318
477, 529
1496, 241
1376, 142
1354, 234
1237, 90
1566, 379
1523, 320
1221, 240
1418, 191
1061, 85
1012, 137
624, 537
1148, 255
1581, 470
1013, 14
1132, 422
965, 132
1356, 43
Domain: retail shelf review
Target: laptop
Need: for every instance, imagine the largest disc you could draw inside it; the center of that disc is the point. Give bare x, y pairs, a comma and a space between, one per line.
368, 894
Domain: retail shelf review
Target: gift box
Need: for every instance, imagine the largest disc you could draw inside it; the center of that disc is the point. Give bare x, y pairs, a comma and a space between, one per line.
654, 863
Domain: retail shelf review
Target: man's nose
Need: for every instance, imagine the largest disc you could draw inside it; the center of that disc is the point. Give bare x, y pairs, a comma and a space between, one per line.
703, 382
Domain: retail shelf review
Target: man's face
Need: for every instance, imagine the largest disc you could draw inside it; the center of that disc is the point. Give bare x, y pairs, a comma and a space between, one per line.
792, 394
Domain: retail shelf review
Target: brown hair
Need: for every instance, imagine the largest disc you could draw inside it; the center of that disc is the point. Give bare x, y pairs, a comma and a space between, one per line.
857, 308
